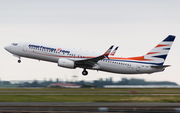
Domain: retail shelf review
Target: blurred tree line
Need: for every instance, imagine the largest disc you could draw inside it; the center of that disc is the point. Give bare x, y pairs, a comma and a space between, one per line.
99, 83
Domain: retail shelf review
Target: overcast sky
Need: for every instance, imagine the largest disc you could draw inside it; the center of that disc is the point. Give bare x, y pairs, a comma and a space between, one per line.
136, 26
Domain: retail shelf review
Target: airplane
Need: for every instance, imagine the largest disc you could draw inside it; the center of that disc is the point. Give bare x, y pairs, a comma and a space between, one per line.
72, 58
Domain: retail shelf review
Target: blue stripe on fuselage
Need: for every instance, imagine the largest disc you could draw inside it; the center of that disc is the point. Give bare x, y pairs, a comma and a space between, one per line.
134, 61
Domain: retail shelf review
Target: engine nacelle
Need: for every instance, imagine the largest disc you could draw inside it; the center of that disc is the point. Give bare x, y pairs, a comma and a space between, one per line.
66, 63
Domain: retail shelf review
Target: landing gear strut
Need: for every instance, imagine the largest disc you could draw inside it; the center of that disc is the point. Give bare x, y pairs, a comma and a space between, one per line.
85, 72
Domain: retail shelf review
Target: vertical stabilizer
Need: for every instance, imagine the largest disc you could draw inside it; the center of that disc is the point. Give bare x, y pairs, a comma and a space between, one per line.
159, 53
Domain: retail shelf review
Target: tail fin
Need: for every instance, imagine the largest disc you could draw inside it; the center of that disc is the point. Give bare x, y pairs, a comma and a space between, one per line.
159, 53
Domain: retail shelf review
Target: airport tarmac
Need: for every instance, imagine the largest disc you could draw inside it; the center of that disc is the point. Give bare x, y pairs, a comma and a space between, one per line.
87, 107
86, 104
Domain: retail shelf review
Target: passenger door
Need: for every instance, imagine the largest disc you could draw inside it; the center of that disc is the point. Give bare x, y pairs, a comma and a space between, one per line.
138, 67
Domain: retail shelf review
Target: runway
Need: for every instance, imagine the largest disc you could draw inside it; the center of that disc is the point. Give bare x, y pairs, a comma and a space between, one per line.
86, 104
87, 107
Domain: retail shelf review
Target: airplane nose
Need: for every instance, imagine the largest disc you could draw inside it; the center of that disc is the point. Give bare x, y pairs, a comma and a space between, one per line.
8, 48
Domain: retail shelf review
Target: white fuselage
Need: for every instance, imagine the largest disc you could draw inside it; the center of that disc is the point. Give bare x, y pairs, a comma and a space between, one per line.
50, 53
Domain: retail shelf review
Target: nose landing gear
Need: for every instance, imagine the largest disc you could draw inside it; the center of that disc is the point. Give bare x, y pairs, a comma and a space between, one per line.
19, 61
85, 72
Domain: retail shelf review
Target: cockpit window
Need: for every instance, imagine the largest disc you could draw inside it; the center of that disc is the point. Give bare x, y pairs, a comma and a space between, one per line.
14, 44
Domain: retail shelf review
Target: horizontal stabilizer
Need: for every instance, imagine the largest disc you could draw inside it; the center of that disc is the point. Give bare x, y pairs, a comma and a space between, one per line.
161, 66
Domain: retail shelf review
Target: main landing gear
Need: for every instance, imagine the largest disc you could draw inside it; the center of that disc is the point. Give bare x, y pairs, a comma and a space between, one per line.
85, 72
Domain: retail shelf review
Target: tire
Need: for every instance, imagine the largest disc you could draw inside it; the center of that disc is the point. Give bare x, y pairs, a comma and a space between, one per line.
19, 61
85, 73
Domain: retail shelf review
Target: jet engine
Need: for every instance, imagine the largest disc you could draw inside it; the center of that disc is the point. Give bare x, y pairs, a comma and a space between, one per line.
66, 63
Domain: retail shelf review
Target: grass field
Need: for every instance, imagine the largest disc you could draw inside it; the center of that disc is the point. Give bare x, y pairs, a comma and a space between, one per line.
88, 95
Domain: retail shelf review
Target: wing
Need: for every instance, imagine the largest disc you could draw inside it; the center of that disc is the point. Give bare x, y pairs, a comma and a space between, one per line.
89, 63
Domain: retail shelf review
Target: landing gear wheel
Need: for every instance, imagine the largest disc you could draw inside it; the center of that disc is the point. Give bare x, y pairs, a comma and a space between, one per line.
85, 72
19, 61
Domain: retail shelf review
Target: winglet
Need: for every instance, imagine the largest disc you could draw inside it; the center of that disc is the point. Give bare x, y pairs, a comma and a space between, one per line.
114, 51
108, 51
